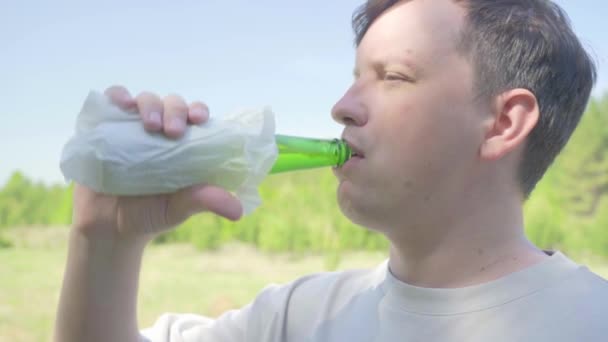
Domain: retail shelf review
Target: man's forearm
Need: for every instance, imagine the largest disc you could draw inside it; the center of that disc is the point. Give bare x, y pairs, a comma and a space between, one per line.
99, 296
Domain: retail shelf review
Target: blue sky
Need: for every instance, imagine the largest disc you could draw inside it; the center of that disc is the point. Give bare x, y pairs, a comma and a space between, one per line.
296, 56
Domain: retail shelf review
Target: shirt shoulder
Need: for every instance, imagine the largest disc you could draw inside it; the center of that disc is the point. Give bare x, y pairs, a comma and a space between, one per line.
584, 287
324, 297
587, 290
268, 316
576, 309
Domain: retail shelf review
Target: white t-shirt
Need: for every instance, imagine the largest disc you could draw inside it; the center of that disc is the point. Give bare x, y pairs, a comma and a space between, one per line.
555, 300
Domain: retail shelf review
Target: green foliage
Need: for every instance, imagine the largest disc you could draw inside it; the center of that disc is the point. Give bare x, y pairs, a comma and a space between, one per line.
568, 210
299, 215
23, 203
5, 242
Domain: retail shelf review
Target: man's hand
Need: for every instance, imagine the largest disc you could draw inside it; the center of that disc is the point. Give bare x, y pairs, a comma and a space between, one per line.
136, 217
99, 295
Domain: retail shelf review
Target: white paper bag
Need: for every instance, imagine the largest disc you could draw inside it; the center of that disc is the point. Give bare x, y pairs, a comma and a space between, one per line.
112, 153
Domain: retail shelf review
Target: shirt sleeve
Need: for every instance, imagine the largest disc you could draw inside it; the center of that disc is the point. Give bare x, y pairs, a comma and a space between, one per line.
261, 320
174, 327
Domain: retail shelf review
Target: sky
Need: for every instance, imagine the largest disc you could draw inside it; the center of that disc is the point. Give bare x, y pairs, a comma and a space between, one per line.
295, 56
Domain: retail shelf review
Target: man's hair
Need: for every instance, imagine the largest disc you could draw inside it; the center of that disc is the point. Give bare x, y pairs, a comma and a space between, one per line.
520, 44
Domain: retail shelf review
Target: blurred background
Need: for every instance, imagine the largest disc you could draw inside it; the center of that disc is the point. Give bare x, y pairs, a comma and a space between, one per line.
296, 57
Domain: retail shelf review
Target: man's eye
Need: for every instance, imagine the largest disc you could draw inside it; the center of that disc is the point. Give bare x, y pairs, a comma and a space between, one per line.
391, 76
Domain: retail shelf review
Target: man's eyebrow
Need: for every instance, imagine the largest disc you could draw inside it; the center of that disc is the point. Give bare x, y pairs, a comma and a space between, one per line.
407, 62
400, 60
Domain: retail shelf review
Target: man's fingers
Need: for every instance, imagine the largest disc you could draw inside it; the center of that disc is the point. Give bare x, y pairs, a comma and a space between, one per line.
151, 111
171, 115
175, 117
199, 198
198, 113
121, 97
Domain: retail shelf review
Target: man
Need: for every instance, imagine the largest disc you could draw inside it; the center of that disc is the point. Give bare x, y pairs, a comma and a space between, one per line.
456, 111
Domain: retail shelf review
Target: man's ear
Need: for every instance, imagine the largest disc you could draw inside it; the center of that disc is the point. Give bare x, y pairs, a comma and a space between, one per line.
516, 113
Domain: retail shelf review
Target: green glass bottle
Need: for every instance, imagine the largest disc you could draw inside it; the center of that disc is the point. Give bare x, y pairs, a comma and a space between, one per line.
298, 153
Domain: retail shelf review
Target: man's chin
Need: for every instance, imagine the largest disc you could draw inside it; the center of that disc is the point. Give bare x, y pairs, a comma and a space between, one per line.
359, 211
351, 205
345, 192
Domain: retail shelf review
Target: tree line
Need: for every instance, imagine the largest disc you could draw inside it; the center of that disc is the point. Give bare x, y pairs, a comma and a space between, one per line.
567, 211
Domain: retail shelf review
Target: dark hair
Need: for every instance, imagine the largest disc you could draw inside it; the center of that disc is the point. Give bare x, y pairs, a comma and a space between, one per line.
521, 44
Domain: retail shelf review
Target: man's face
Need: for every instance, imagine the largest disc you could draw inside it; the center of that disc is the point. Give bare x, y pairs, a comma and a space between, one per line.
410, 112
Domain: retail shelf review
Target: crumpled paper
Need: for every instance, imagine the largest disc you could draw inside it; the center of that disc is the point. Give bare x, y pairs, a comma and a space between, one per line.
112, 153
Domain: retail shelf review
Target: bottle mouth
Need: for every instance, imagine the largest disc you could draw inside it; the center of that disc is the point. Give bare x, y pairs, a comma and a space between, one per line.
343, 152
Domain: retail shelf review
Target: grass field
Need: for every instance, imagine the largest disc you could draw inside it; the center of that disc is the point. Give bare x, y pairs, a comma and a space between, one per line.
174, 278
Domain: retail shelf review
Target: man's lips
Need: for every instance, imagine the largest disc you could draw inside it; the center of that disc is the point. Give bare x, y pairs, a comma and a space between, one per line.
357, 155
351, 164
355, 149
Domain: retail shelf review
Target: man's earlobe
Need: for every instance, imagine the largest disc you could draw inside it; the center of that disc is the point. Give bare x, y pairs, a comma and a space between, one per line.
516, 114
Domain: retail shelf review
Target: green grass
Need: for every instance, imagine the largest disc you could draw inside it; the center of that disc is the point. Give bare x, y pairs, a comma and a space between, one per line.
174, 278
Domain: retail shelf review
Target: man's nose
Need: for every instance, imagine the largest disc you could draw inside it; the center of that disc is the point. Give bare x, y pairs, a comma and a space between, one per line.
350, 110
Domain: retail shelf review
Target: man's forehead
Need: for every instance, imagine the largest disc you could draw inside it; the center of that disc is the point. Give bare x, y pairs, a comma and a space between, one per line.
411, 32
438, 19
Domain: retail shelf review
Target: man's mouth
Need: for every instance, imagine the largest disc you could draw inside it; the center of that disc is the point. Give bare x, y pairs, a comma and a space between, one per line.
355, 151
356, 156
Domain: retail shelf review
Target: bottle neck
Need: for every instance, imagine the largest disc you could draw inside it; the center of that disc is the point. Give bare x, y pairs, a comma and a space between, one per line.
298, 153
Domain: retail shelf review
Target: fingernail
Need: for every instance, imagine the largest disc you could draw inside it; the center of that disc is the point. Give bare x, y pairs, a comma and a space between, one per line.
126, 99
154, 117
196, 113
177, 124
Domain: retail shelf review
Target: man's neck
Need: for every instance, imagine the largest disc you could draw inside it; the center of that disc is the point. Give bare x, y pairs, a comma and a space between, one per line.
460, 268
480, 246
